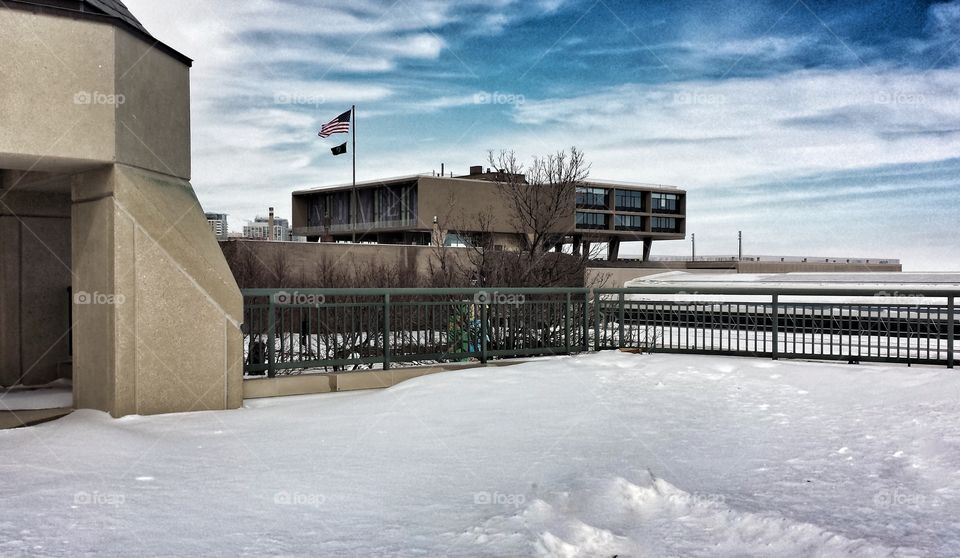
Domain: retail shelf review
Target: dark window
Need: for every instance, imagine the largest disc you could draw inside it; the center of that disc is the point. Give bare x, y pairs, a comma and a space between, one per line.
591, 220
629, 200
629, 223
663, 224
591, 197
664, 203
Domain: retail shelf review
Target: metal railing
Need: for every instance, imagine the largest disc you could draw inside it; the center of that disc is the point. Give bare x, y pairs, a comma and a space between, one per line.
290, 331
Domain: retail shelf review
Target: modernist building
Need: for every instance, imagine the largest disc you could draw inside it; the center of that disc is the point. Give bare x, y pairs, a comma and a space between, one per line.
410, 209
109, 274
218, 224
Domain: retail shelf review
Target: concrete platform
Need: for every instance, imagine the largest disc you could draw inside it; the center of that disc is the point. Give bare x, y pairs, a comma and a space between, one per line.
305, 384
16, 419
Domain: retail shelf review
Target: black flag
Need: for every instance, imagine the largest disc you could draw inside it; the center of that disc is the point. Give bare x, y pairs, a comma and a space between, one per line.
340, 149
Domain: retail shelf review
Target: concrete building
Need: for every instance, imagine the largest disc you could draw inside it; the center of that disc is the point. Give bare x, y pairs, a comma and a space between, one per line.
406, 210
109, 274
259, 229
218, 224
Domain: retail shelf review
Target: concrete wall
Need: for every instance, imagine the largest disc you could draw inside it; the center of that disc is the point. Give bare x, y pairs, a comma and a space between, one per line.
303, 258
167, 339
156, 308
50, 65
34, 278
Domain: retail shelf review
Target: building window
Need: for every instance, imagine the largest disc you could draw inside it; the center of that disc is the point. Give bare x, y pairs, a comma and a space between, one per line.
629, 223
663, 224
591, 220
664, 203
592, 197
629, 200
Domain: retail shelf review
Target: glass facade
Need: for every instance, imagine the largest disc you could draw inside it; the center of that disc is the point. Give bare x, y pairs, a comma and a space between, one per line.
664, 203
629, 223
629, 200
591, 220
592, 197
663, 224
393, 205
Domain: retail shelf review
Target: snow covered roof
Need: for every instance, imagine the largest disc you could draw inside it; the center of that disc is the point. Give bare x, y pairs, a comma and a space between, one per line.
892, 283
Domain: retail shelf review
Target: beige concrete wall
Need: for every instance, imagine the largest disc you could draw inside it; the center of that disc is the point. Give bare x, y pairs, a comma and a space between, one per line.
80, 93
49, 66
34, 278
153, 122
173, 341
110, 112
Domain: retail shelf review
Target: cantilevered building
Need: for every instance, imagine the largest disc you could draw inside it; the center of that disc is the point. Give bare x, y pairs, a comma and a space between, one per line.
411, 209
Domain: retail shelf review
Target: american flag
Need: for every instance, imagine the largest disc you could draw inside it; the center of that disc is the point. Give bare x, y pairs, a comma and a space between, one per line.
339, 125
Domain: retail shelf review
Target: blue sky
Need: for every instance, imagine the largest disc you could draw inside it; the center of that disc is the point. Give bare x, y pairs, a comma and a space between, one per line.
817, 128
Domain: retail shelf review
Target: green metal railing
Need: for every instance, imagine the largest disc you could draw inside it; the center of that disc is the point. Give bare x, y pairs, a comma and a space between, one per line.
289, 331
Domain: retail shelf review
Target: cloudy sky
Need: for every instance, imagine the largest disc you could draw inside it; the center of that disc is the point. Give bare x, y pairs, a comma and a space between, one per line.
816, 127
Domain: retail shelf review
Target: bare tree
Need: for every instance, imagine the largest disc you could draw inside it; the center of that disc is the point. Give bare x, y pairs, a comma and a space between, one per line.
540, 197
541, 200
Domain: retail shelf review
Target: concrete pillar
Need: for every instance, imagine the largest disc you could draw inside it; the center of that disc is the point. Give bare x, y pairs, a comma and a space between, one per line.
157, 310
613, 249
577, 239
586, 248
647, 244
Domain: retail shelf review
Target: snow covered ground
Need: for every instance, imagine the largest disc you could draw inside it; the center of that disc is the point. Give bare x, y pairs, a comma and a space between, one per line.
55, 395
594, 455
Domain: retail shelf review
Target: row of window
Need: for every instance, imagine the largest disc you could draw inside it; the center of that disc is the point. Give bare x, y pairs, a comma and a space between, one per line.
663, 224
591, 197
600, 221
626, 200
664, 203
591, 220
386, 204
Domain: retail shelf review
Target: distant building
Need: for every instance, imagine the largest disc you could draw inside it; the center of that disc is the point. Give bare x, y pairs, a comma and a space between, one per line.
218, 224
259, 229
403, 211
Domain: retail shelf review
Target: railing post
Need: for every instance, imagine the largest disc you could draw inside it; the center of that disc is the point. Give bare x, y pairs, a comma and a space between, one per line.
776, 324
271, 338
484, 315
386, 331
621, 319
566, 324
596, 322
950, 331
586, 321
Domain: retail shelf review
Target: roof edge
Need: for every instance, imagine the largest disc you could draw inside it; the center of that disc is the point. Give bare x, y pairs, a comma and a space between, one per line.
26, 5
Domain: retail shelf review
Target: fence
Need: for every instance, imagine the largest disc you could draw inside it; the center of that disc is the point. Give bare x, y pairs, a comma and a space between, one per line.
295, 330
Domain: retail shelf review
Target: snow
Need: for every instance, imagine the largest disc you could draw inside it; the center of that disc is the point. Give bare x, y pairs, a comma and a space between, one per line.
54, 396
593, 455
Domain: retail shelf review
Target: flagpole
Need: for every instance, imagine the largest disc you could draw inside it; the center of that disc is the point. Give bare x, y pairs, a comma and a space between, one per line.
353, 138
